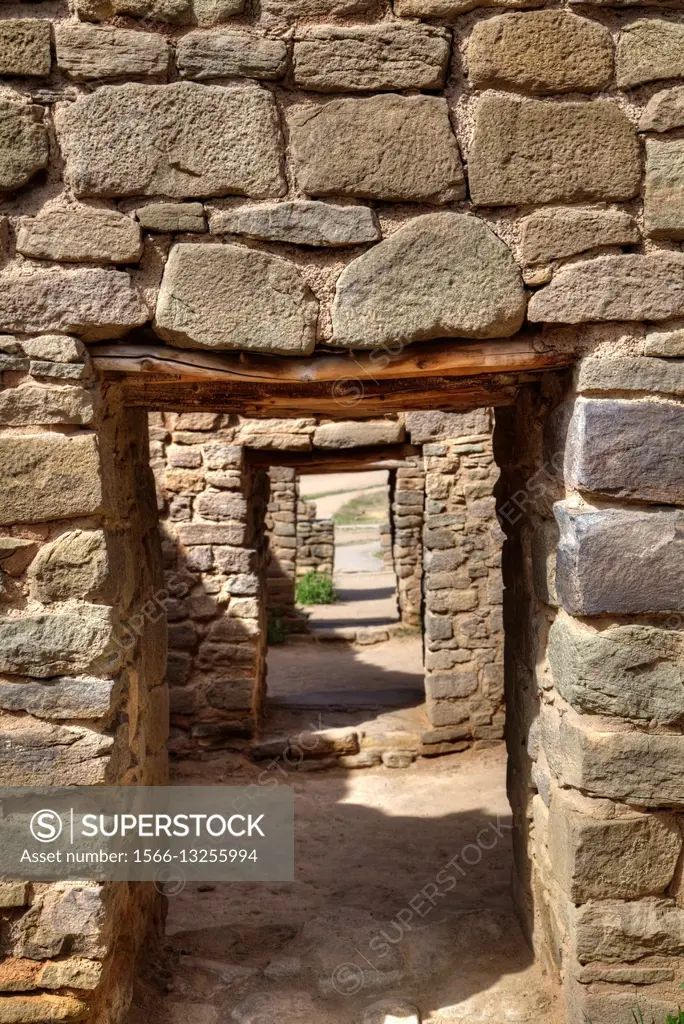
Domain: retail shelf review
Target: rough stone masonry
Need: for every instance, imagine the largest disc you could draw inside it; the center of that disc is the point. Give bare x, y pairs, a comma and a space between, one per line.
366, 175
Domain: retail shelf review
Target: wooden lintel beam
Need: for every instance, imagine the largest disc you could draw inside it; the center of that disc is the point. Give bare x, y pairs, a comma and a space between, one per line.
319, 460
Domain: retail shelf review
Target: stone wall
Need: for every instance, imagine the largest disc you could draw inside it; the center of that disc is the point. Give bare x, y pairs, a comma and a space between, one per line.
82, 661
407, 501
281, 532
315, 541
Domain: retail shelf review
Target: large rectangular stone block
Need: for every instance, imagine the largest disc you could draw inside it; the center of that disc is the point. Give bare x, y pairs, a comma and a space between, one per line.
627, 449
78, 638
531, 151
49, 476
380, 147
611, 931
175, 140
664, 188
59, 697
204, 55
89, 52
25, 47
637, 373
636, 767
34, 753
595, 858
633, 671
620, 561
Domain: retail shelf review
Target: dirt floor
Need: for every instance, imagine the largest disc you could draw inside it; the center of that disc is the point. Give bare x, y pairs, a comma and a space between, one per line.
401, 892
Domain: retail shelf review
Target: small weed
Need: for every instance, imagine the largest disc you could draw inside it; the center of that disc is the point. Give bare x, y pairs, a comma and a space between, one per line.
638, 1017
316, 588
276, 630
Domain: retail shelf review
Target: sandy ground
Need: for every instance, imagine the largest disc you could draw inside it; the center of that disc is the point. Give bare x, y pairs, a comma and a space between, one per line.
401, 889
339, 488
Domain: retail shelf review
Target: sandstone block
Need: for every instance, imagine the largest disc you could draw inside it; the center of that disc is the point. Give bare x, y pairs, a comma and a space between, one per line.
76, 972
201, 12
172, 217
70, 641
38, 404
554, 234
461, 279
634, 671
620, 561
292, 9
640, 768
443, 713
430, 426
371, 58
49, 476
23, 144
531, 151
461, 682
450, 8
300, 222
628, 287
664, 111
25, 47
60, 697
610, 931
176, 140
88, 52
620, 859
627, 449
221, 506
380, 147
76, 565
92, 302
356, 433
636, 373
663, 188
542, 52
230, 297
82, 235
649, 49
13, 894
204, 55
42, 1009
55, 348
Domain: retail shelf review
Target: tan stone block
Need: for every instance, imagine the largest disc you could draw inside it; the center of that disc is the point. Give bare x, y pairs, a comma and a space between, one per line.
36, 753
554, 234
380, 147
356, 433
49, 476
664, 189
25, 47
89, 52
206, 55
77, 638
80, 235
649, 49
169, 217
293, 9
13, 894
300, 222
23, 144
450, 8
664, 111
368, 58
200, 12
39, 404
41, 1009
72, 973
231, 297
610, 931
541, 52
175, 140
75, 566
532, 151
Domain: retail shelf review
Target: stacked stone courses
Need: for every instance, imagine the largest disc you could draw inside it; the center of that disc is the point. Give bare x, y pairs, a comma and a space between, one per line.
281, 176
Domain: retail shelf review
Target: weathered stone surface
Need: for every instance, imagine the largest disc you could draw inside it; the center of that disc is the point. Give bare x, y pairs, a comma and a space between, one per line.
430, 426
664, 111
201, 12
666, 343
376, 57
13, 894
353, 434
450, 8
554, 234
176, 140
37, 404
627, 449
25, 47
60, 697
80, 235
664, 189
635, 373
634, 671
379, 147
43, 1009
225, 54
461, 279
300, 222
649, 49
532, 151
75, 972
65, 918
76, 565
620, 858
86, 52
37, 753
230, 297
637, 767
292, 9
23, 144
542, 52
627, 287
167, 217
55, 348
221, 506
91, 302
76, 639
610, 932
620, 561
48, 476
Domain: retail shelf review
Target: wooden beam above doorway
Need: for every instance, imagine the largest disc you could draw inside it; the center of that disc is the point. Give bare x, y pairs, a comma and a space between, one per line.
449, 375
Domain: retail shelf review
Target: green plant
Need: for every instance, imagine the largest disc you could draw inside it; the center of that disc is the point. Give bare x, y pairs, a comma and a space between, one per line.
638, 1017
276, 630
316, 588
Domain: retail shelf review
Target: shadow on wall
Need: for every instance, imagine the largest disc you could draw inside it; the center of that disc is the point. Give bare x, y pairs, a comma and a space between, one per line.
388, 902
